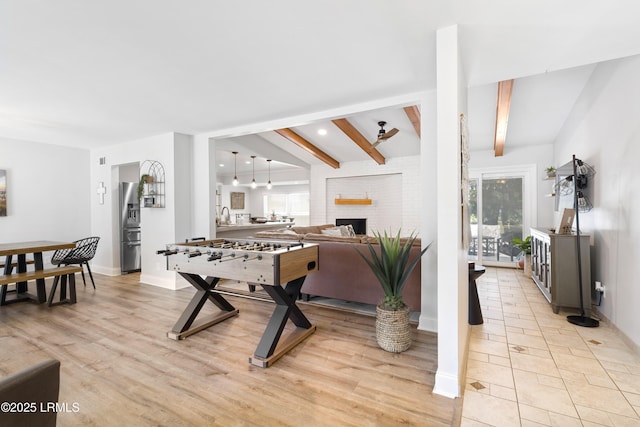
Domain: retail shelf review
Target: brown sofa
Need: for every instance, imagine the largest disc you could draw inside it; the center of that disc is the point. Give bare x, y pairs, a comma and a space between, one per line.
342, 273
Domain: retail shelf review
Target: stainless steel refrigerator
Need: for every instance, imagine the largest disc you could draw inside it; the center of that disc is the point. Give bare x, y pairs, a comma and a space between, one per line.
130, 254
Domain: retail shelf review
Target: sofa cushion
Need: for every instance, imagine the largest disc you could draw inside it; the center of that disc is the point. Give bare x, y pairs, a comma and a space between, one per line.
374, 240
348, 229
334, 231
281, 234
312, 228
320, 237
340, 230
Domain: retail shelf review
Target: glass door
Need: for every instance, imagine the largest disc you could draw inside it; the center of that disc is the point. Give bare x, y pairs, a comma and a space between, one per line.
497, 214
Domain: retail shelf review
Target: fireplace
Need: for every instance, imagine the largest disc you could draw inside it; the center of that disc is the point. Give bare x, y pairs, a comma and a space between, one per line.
359, 224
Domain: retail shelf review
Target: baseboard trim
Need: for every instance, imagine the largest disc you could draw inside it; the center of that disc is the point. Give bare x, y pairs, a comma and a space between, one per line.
447, 385
427, 323
107, 271
161, 282
627, 340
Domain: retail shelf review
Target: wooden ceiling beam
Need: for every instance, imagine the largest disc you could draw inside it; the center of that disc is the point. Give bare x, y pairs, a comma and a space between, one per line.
345, 126
309, 147
414, 117
505, 88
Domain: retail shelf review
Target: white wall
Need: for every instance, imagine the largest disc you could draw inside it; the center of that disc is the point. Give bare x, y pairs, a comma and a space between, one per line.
129, 173
49, 192
383, 212
603, 130
181, 187
407, 215
159, 226
428, 212
203, 184
225, 197
293, 175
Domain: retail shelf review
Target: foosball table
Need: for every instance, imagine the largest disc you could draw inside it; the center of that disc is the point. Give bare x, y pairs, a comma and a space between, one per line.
280, 268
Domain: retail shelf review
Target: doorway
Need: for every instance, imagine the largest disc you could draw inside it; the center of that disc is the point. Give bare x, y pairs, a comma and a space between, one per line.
500, 208
129, 218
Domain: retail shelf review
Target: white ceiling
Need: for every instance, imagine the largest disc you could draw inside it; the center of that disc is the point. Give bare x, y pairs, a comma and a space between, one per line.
539, 106
98, 73
335, 143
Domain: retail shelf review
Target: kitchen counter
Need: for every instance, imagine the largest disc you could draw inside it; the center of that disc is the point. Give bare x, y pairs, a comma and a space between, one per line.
246, 230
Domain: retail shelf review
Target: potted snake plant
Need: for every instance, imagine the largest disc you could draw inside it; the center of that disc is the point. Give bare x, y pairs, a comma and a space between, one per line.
392, 266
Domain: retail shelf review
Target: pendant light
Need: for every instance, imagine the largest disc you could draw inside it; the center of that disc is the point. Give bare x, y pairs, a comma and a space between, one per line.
253, 181
235, 173
269, 186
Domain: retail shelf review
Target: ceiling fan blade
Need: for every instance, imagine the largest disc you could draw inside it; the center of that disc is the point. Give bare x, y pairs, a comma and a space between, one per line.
375, 144
383, 135
389, 134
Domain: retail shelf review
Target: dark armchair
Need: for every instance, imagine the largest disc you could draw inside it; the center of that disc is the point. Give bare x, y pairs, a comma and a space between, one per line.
38, 386
84, 252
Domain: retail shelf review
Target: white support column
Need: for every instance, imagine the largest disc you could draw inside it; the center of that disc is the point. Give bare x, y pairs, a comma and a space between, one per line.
428, 214
453, 326
204, 187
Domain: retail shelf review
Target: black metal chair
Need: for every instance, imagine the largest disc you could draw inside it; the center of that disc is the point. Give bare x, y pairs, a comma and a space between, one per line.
84, 252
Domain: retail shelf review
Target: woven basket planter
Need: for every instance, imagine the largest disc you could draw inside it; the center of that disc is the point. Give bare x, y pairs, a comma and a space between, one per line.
392, 329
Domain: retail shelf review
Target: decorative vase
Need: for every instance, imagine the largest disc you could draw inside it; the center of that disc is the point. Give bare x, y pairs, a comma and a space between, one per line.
392, 329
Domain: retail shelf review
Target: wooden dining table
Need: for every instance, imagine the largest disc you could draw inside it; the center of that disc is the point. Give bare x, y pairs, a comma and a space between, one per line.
20, 250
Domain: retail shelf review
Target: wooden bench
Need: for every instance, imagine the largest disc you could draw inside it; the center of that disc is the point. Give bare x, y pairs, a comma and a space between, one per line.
15, 264
71, 275
56, 273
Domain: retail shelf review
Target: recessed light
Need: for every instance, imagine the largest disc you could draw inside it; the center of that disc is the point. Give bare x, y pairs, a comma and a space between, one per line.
247, 162
322, 132
221, 165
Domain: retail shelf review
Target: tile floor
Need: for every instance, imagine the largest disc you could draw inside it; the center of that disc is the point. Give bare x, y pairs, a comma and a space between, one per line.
530, 367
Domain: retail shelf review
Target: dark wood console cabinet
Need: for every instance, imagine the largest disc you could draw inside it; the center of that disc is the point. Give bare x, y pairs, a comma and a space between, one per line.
554, 268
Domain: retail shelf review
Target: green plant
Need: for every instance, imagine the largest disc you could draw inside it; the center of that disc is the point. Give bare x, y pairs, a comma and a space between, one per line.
523, 245
550, 169
392, 266
144, 178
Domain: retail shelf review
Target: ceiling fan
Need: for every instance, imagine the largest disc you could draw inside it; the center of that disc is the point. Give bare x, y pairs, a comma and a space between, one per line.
383, 134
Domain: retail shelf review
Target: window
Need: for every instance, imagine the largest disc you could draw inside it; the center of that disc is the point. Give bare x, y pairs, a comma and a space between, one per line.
292, 205
275, 203
500, 209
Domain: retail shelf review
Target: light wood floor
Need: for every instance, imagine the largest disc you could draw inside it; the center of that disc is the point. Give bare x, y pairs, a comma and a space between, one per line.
120, 369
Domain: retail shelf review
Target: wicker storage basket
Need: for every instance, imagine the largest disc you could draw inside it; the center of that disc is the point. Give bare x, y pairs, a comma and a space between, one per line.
392, 329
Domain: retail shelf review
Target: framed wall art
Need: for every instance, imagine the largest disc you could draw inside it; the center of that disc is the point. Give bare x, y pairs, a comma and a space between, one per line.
3, 192
237, 200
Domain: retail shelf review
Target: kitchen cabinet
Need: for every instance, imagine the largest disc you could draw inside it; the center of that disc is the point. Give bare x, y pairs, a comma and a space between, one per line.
554, 268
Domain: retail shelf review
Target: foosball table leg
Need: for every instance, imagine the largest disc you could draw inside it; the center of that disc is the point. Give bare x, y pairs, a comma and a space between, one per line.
185, 325
270, 348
